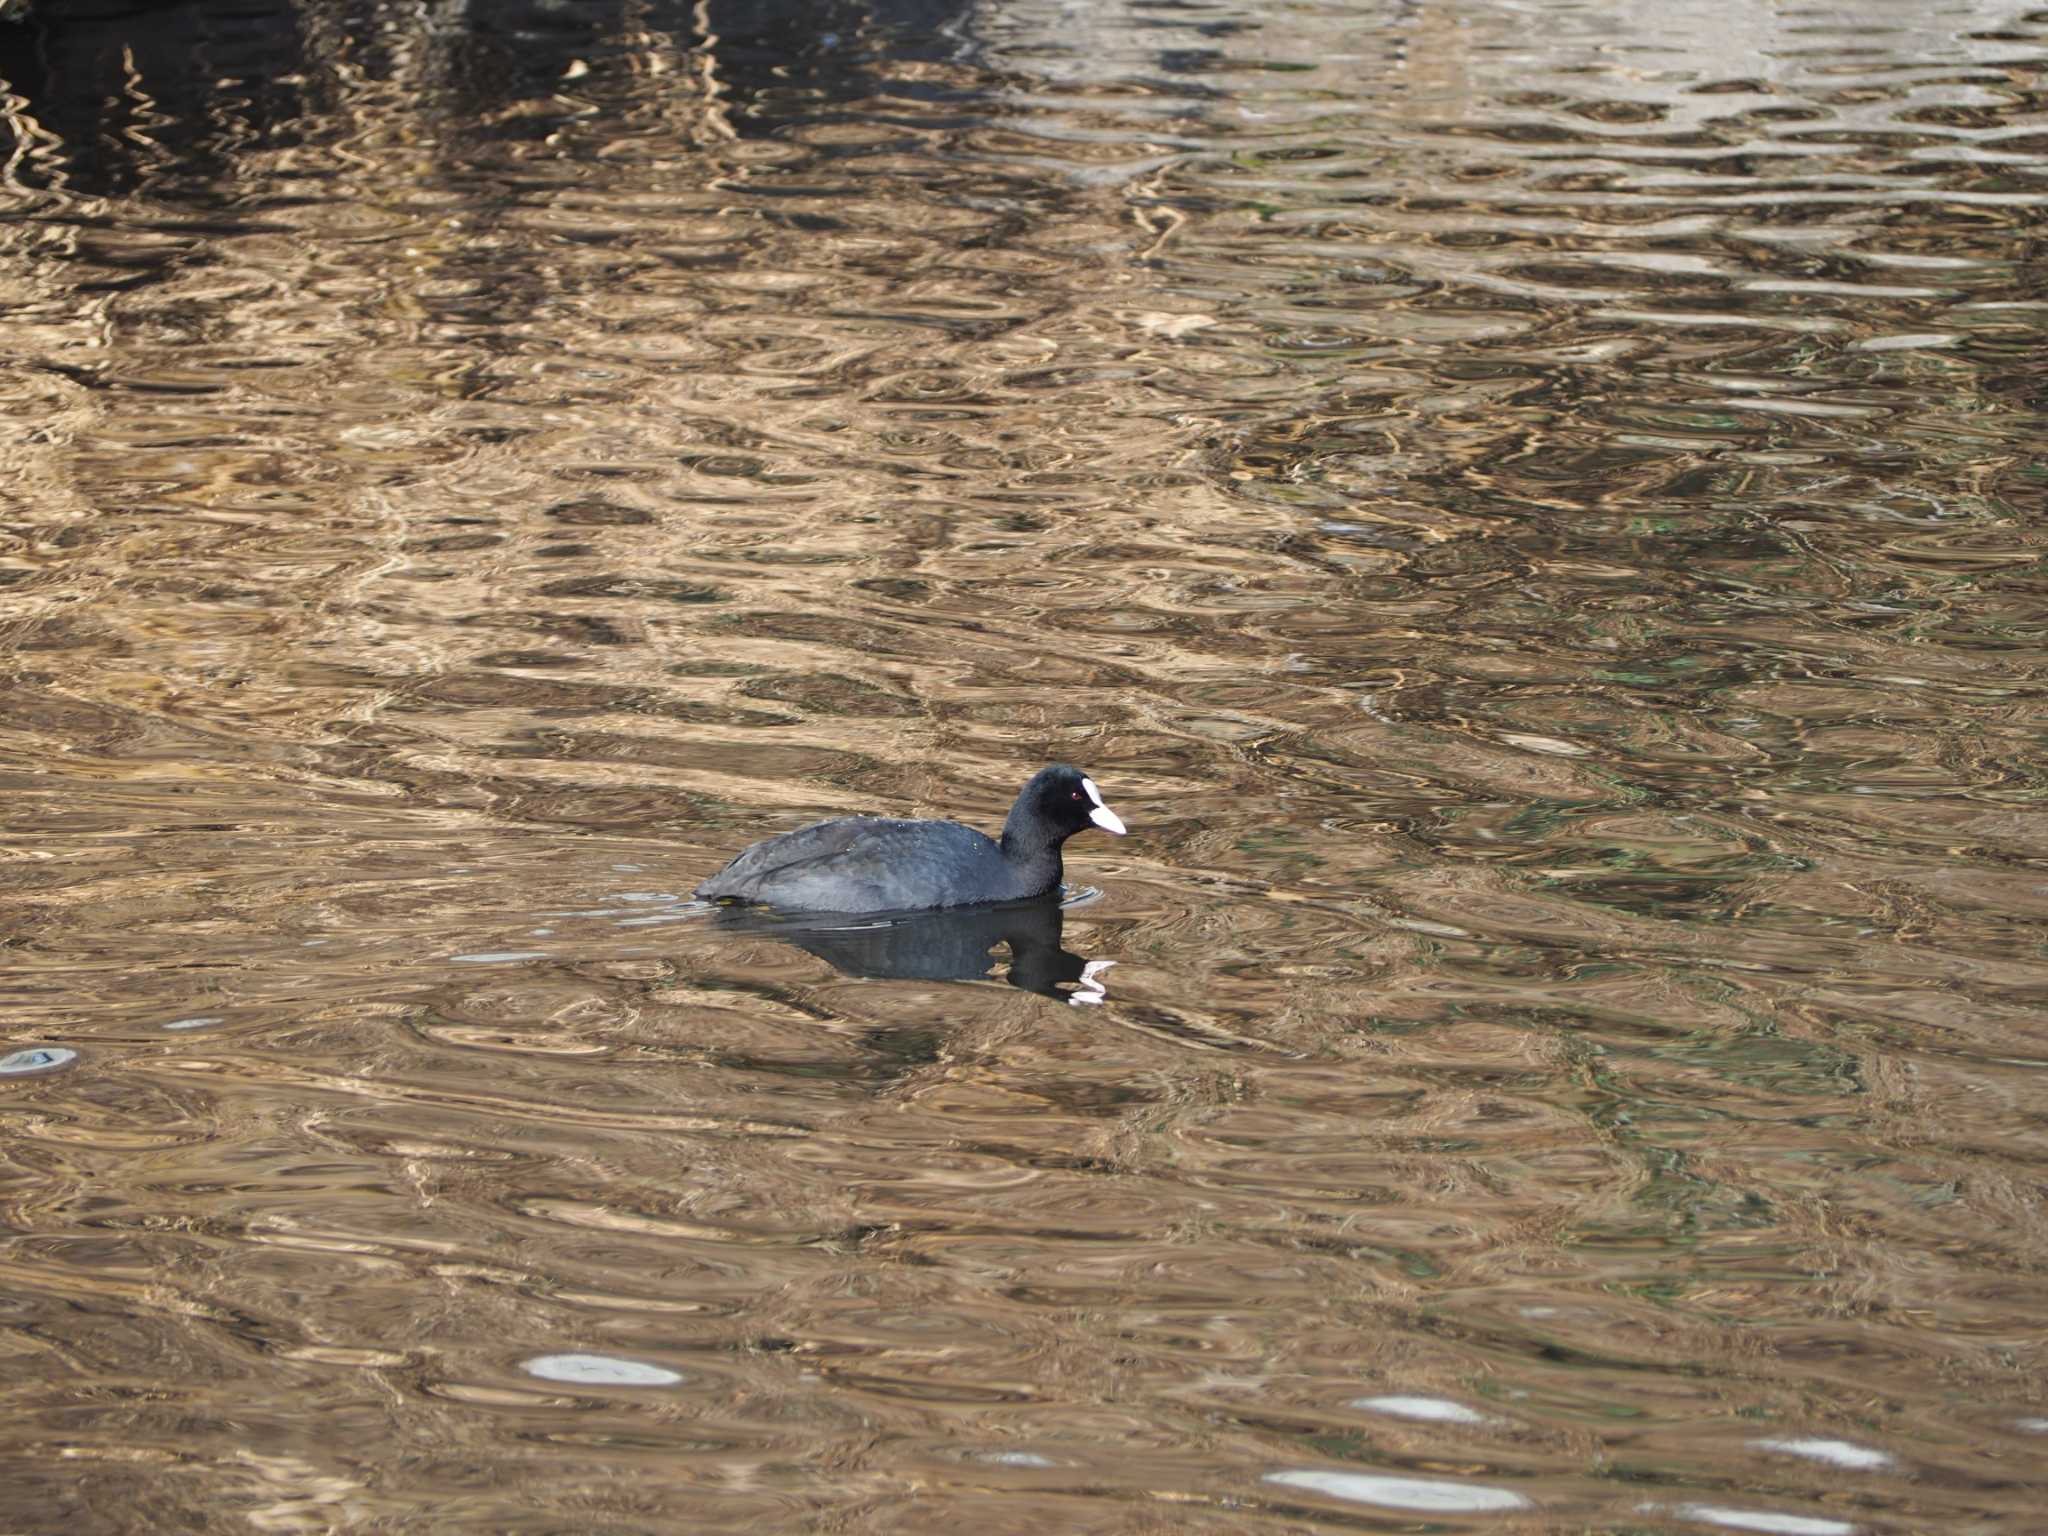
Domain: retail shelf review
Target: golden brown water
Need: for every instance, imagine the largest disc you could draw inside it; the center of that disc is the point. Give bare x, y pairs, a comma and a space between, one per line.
1531, 510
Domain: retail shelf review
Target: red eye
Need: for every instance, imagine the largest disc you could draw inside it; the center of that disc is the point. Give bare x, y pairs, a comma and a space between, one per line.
1077, 794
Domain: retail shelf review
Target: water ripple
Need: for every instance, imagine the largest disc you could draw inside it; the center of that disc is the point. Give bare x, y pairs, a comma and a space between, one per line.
1529, 510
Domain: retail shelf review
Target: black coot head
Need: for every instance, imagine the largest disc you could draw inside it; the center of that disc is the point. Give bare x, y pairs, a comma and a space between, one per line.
1069, 801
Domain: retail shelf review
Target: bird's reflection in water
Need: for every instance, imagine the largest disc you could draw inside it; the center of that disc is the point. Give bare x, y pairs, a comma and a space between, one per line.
956, 944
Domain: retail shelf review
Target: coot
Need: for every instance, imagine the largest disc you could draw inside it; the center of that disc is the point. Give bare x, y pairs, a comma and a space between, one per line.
878, 864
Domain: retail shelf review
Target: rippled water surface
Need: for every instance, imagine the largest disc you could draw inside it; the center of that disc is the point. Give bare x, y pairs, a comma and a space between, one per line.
1531, 510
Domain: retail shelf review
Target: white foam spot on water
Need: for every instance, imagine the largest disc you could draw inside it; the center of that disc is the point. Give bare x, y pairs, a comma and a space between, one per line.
1428, 1494
1435, 1410
1759, 1520
1836, 1453
1019, 1459
1534, 743
37, 1058
600, 1371
500, 956
197, 1023
1907, 342
1424, 925
2032, 1426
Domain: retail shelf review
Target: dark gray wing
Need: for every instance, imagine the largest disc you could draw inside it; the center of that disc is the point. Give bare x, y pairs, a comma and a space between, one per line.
802, 851
868, 864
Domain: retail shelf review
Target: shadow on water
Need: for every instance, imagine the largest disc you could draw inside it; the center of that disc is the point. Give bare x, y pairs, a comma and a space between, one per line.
953, 945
